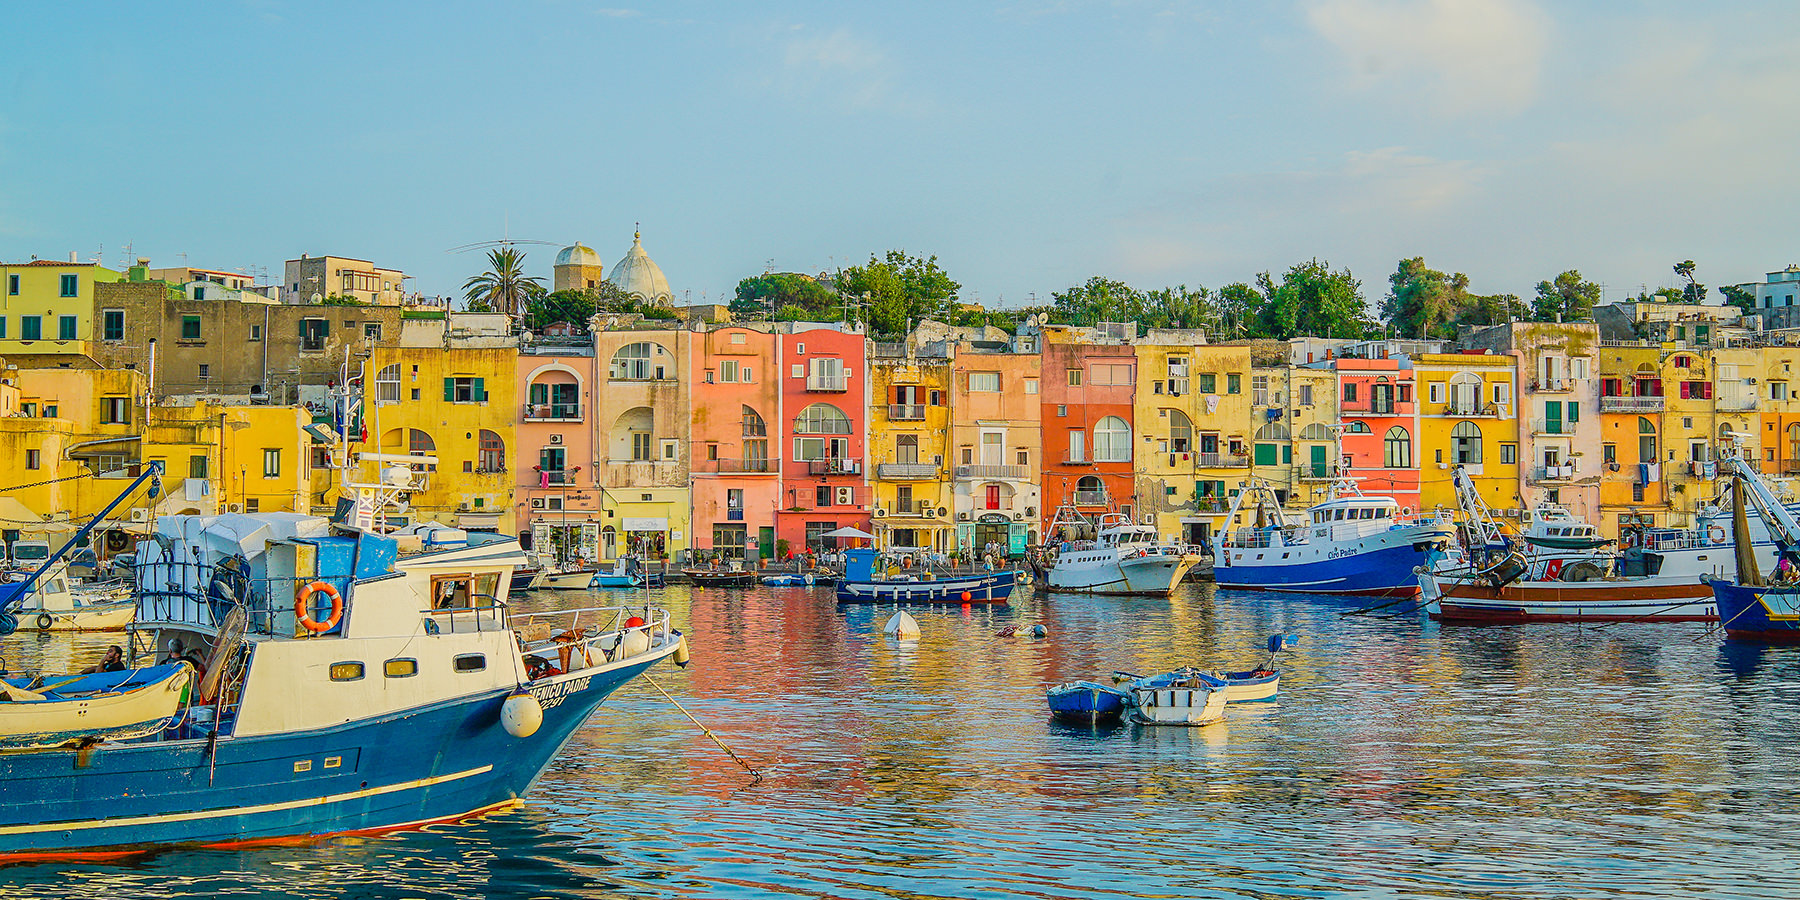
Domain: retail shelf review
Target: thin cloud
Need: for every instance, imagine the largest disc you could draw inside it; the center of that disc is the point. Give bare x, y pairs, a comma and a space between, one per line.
617, 13
840, 69
1462, 56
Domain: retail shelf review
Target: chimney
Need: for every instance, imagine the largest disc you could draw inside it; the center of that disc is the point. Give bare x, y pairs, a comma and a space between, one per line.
72, 256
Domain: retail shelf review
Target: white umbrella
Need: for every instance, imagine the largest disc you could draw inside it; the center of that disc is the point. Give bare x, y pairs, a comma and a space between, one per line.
849, 531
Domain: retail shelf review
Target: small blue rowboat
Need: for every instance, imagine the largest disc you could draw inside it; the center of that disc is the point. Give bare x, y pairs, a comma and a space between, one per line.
794, 579
1086, 702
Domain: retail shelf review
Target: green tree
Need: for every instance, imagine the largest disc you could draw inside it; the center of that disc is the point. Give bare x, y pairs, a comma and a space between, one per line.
1739, 296
504, 287
1567, 298
1311, 299
1240, 309
574, 307
1098, 300
758, 296
898, 290
1421, 302
1181, 307
1695, 292
341, 300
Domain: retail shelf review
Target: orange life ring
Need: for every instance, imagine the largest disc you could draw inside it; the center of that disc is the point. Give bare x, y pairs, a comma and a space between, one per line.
1716, 534
1553, 569
304, 615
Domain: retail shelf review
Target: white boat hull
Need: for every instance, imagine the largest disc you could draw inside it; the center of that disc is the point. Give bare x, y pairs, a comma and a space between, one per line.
97, 617
563, 581
1151, 574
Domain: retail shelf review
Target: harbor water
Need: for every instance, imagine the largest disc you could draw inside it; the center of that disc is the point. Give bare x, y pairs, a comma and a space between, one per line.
1402, 759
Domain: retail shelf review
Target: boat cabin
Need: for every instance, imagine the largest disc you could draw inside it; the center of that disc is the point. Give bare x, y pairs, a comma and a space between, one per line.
1382, 509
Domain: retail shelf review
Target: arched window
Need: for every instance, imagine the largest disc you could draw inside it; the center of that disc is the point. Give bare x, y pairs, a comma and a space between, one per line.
1354, 427
640, 361
1793, 435
1273, 431
631, 435
1465, 393
418, 443
387, 384
821, 418
1181, 432
1397, 448
1465, 442
1090, 491
491, 452
1112, 440
753, 424
1315, 432
1647, 440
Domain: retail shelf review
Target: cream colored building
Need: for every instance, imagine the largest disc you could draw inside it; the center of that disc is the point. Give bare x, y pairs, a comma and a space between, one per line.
311, 279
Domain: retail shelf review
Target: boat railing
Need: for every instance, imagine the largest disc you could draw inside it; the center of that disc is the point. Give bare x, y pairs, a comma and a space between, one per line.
1263, 538
490, 616
1677, 540
590, 635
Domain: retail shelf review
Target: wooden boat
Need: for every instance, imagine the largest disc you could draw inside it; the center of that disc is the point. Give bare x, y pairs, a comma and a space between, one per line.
863, 584
571, 579
55, 711
1087, 702
1171, 700
626, 572
797, 579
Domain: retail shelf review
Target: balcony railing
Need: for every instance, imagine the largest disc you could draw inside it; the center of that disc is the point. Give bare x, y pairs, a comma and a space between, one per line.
906, 471
1003, 472
552, 412
911, 508
1076, 459
1090, 498
905, 412
1222, 460
830, 466
1738, 403
1553, 385
1563, 472
1553, 426
1320, 472
827, 383
1470, 409
734, 515
735, 466
1631, 404
555, 477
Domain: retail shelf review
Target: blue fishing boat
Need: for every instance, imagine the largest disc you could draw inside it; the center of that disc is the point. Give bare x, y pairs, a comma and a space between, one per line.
1351, 543
349, 684
1087, 702
865, 582
1752, 606
625, 572
798, 579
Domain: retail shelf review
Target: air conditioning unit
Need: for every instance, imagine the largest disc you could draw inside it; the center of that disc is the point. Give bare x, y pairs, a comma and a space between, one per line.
1018, 517
556, 439
962, 517
537, 503
880, 513
234, 507
930, 513
140, 516
1150, 520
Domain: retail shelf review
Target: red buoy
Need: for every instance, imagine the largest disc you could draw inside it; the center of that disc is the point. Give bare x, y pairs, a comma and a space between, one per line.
633, 622
966, 596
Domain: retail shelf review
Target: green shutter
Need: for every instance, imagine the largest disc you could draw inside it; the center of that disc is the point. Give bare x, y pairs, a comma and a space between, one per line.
480, 391
540, 394
1265, 454
1287, 455
449, 389
1574, 411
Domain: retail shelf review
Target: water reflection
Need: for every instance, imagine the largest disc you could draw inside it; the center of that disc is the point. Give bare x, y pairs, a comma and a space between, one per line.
1402, 759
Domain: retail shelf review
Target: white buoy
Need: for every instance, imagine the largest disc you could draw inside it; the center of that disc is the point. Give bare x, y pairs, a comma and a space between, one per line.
635, 641
521, 715
1039, 631
901, 627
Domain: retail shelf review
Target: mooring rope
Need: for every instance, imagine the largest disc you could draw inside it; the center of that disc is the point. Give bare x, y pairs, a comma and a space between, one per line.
754, 775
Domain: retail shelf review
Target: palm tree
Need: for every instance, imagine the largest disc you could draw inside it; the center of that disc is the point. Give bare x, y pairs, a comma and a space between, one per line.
504, 287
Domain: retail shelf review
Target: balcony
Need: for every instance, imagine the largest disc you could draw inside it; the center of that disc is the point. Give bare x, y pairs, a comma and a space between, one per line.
1553, 385
1016, 473
555, 477
1074, 459
1739, 403
906, 412
1631, 404
1564, 472
827, 383
829, 466
1089, 498
734, 515
1553, 427
912, 508
552, 412
1222, 460
1321, 472
735, 466
906, 471
1468, 409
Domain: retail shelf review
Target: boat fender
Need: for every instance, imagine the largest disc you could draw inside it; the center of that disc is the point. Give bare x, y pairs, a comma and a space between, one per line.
901, 627
1039, 631
681, 650
304, 614
966, 596
44, 621
521, 715
808, 578
1716, 534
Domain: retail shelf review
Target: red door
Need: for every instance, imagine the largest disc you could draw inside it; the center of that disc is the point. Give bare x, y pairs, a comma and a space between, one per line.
993, 497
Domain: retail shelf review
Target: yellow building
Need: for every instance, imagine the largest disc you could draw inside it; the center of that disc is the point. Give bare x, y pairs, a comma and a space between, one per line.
47, 311
1690, 428
909, 443
446, 390
1468, 417
1193, 408
1292, 409
1778, 408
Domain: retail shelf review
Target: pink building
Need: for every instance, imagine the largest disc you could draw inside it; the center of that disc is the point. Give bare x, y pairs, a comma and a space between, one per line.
823, 424
558, 500
735, 440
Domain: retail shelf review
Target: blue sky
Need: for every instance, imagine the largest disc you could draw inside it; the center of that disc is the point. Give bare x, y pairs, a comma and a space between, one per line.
1029, 144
